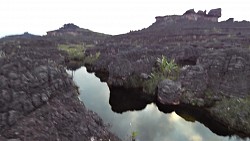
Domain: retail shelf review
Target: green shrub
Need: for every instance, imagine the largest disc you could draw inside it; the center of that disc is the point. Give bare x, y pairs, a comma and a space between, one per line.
166, 69
150, 85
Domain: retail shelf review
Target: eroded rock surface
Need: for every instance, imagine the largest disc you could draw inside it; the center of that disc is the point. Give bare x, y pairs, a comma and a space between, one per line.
213, 58
39, 101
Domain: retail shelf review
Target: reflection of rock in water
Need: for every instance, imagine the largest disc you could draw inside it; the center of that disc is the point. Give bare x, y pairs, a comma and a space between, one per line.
122, 100
192, 114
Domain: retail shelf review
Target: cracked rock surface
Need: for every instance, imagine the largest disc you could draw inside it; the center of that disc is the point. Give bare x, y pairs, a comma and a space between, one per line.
39, 101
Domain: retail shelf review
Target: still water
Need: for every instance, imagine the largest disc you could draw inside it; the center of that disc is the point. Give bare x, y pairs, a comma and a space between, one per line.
150, 124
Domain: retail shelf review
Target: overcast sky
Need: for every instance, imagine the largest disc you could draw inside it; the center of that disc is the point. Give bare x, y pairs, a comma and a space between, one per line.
106, 16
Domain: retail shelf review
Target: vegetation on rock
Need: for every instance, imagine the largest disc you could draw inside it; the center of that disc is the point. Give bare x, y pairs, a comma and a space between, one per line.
165, 69
75, 51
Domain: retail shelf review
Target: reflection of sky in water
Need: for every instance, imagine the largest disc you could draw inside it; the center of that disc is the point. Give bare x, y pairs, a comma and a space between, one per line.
150, 123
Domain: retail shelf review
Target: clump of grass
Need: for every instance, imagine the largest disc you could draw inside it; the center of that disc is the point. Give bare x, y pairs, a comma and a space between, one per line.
150, 85
165, 69
75, 52
91, 58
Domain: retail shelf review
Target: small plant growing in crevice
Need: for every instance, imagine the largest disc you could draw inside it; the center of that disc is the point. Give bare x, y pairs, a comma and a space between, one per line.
165, 69
151, 84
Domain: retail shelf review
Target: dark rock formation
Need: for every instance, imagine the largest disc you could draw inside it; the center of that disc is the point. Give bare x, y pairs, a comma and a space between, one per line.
38, 99
213, 59
169, 92
230, 20
191, 11
200, 12
214, 13
73, 34
191, 15
69, 26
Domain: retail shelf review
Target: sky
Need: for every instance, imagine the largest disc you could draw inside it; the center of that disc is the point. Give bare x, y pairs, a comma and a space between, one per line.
105, 16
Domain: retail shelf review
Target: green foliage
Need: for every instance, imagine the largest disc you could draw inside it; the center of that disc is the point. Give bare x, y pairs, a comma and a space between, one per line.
91, 58
75, 52
166, 69
150, 85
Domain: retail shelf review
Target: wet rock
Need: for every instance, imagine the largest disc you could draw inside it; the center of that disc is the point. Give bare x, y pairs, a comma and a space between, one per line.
169, 92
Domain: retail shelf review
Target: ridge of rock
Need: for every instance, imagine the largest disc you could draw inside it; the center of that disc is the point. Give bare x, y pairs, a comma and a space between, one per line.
191, 15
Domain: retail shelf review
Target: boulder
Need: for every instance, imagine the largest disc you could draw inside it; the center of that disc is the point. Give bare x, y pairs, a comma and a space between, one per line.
169, 92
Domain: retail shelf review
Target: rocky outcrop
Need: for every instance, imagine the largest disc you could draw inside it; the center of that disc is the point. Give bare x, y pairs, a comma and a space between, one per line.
213, 60
66, 29
39, 101
191, 15
169, 92
214, 13
73, 34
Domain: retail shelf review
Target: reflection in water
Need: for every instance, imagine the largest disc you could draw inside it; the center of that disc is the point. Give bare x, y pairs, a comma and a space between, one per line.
149, 123
122, 100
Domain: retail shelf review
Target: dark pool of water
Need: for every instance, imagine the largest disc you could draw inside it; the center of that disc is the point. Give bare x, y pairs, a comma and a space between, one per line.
149, 123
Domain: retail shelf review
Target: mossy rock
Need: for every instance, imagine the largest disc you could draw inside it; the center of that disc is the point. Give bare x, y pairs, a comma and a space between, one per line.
233, 113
